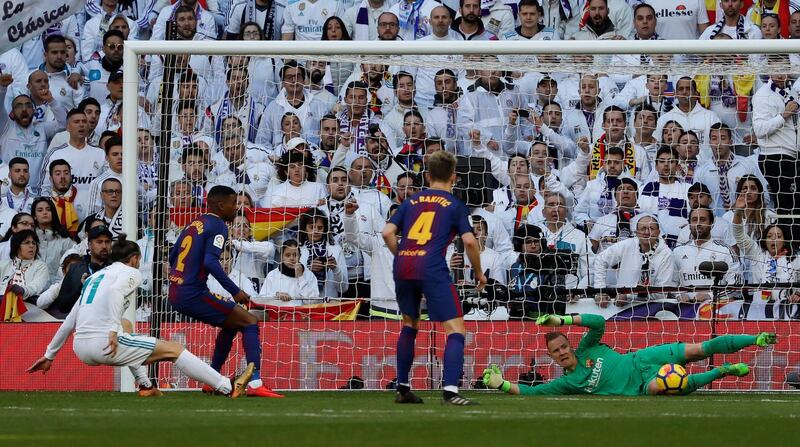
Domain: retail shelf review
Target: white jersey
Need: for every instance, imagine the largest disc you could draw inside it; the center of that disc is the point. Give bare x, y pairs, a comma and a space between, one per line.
86, 164
305, 18
678, 19
689, 257
98, 311
670, 202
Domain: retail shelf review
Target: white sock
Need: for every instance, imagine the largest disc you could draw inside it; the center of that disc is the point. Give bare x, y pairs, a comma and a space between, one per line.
255, 383
199, 370
140, 374
451, 388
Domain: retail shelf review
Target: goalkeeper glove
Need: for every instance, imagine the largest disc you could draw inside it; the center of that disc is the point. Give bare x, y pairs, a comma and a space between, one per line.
493, 378
554, 320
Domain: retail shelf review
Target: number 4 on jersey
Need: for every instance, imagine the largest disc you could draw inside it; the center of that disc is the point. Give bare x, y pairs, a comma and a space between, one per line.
420, 231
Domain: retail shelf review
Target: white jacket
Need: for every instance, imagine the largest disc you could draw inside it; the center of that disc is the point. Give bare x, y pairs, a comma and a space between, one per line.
708, 174
51, 248
302, 289
569, 238
699, 119
487, 112
593, 203
238, 278
776, 136
382, 275
763, 267
36, 278
310, 112
627, 259
335, 283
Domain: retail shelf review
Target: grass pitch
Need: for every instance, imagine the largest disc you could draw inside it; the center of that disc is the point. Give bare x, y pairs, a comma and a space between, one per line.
372, 419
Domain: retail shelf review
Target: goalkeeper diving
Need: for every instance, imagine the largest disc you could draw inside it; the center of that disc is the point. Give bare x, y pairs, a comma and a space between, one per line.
595, 368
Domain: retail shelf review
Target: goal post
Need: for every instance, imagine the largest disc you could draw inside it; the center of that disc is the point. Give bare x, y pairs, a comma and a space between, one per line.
303, 353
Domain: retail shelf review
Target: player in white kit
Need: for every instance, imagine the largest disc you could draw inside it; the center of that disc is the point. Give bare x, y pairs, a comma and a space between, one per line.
103, 336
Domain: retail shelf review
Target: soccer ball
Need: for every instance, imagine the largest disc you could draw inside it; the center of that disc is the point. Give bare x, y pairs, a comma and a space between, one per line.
671, 379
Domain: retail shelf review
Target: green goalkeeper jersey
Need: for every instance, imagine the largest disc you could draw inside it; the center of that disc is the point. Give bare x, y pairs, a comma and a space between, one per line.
600, 369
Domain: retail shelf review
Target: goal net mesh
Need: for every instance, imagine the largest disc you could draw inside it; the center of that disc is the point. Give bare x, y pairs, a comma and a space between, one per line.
561, 159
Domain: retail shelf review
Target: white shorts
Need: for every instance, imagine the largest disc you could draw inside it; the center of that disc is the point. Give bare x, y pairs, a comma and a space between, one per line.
132, 350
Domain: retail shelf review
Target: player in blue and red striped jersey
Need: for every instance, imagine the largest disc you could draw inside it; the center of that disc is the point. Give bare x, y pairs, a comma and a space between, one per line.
426, 223
194, 256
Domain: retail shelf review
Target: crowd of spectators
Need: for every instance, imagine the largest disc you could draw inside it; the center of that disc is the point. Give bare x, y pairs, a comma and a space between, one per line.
626, 180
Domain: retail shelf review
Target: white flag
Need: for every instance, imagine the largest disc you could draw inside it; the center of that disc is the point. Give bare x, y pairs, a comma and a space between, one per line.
21, 20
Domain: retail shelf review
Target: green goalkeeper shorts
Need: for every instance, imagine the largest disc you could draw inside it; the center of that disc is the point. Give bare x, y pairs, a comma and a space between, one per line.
649, 360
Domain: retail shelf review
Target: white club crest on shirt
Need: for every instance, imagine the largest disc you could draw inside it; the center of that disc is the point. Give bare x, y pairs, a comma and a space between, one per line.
301, 6
324, 12
219, 241
63, 91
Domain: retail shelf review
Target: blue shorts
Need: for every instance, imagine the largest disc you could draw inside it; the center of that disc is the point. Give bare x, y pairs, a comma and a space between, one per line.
207, 307
443, 300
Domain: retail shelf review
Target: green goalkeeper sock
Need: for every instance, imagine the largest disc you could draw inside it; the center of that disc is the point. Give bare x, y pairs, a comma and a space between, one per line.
695, 381
728, 344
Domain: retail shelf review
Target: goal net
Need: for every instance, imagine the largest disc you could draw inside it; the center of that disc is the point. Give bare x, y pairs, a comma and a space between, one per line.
657, 190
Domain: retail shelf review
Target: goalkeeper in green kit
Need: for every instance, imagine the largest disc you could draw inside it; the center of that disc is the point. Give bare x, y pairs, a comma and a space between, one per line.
595, 368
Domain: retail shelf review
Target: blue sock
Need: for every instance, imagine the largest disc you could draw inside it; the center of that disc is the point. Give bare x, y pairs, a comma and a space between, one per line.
252, 348
405, 353
453, 359
222, 347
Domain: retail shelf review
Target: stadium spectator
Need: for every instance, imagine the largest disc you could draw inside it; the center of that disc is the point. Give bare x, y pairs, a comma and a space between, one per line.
616, 225
561, 235
226, 259
291, 284
522, 201
393, 121
688, 112
775, 125
319, 255
113, 149
681, 19
23, 277
667, 196
299, 188
111, 211
100, 66
688, 148
414, 18
99, 247
597, 199
442, 115
724, 170
18, 222
206, 24
21, 136
86, 161
732, 23
495, 264
700, 197
640, 261
757, 215
268, 14
305, 21
293, 97
17, 193
54, 240
64, 194
250, 257
702, 247
388, 26
64, 81
361, 175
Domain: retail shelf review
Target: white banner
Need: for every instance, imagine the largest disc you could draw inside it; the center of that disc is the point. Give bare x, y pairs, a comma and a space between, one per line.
21, 20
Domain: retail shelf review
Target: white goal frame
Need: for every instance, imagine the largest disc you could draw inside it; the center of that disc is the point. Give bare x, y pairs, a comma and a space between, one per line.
134, 49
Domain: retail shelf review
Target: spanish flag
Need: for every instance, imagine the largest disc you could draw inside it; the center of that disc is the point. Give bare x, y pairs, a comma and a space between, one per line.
341, 311
12, 307
264, 222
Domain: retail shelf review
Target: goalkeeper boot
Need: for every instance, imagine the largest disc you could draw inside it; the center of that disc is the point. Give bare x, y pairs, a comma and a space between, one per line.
239, 384
736, 369
765, 339
407, 397
261, 391
152, 391
456, 399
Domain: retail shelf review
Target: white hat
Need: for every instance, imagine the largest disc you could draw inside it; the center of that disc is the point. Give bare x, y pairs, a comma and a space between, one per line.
294, 142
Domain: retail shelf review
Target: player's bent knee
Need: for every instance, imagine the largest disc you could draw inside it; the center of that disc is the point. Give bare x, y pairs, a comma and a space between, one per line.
454, 326
693, 352
165, 350
410, 321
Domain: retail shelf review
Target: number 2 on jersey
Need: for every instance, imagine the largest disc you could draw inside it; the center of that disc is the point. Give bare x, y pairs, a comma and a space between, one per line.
420, 231
186, 245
